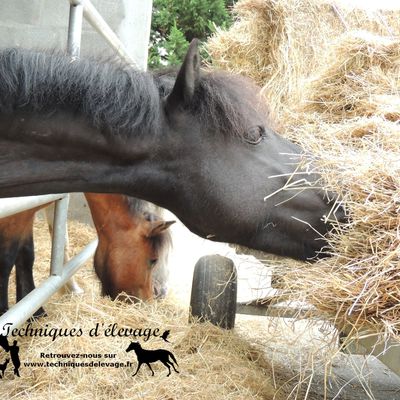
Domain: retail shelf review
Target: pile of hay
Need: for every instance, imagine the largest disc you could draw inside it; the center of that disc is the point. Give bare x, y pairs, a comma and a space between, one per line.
213, 363
359, 78
338, 96
279, 43
349, 122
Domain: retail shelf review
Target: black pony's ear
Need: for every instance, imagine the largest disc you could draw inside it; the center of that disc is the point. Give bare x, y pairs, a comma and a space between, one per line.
187, 78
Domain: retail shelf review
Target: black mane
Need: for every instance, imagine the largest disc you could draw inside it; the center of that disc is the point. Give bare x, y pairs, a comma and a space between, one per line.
115, 97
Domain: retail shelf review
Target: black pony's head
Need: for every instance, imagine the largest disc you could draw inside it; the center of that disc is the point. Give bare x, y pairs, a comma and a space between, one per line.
228, 175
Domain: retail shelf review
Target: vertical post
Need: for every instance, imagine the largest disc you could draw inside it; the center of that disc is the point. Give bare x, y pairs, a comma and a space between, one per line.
59, 235
61, 206
75, 29
134, 30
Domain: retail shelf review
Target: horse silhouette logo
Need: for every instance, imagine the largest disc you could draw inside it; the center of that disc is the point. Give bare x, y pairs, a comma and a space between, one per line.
150, 356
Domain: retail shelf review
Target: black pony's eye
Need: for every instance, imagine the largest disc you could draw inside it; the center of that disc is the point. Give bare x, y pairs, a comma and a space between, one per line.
255, 134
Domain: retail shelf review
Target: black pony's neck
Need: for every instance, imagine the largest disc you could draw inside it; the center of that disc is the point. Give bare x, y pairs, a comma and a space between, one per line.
112, 97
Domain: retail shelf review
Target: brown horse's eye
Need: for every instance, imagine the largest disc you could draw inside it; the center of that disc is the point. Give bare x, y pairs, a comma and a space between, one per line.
153, 262
149, 216
254, 135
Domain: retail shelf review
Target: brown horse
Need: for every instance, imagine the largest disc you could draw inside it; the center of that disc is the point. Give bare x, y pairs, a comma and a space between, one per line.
130, 256
129, 248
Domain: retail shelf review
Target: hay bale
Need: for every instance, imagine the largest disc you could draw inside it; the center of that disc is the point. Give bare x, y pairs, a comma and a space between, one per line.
356, 147
360, 77
337, 94
353, 133
280, 43
267, 39
359, 285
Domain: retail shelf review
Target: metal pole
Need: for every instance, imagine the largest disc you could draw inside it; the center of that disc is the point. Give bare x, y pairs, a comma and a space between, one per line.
14, 205
98, 23
277, 310
134, 30
75, 29
58, 237
25, 308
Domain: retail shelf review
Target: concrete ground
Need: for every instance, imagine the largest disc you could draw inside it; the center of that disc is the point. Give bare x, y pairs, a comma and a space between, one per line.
352, 377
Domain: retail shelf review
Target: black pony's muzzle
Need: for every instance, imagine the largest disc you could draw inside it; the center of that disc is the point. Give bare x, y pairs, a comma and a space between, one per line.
341, 215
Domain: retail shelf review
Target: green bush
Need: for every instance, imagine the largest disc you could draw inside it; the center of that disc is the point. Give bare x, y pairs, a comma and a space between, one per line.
176, 22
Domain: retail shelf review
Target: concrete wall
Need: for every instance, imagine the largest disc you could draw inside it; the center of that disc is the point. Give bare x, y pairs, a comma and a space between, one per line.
44, 23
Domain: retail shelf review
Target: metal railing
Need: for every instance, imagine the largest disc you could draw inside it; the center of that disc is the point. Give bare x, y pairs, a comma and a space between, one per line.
80, 8
59, 273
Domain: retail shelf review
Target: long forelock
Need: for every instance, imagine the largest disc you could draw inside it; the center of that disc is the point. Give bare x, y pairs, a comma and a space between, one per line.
221, 101
224, 101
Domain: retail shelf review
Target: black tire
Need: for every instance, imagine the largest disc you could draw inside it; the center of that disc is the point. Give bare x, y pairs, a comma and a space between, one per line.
214, 291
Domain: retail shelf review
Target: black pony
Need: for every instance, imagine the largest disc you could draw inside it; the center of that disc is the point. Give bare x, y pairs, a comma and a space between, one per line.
200, 145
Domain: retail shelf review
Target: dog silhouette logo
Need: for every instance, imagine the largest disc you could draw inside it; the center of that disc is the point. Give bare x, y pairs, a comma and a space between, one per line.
151, 356
13, 350
165, 335
3, 367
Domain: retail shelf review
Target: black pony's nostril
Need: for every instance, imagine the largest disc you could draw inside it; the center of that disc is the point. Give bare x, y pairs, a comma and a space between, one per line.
341, 215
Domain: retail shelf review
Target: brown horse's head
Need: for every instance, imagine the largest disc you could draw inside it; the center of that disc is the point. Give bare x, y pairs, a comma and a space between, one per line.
132, 245
131, 257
